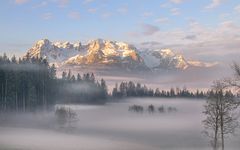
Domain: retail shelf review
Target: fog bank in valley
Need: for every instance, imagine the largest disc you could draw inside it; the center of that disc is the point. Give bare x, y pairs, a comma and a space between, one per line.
192, 78
112, 127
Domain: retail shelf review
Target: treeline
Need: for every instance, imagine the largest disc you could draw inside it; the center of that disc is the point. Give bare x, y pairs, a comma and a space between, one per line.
29, 84
131, 89
84, 89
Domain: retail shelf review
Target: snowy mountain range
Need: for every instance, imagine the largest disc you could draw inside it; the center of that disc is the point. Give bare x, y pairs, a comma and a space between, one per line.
101, 52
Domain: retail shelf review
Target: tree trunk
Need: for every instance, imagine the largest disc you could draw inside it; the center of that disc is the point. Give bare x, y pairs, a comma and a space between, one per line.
216, 136
5, 98
216, 123
222, 138
24, 103
2, 98
221, 123
16, 102
44, 100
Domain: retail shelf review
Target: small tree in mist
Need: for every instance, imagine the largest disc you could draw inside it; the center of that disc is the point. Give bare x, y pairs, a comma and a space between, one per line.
65, 116
151, 108
61, 115
220, 112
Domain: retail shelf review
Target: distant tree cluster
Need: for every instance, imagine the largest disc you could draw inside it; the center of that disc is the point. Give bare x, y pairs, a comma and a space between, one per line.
130, 89
151, 109
26, 84
85, 89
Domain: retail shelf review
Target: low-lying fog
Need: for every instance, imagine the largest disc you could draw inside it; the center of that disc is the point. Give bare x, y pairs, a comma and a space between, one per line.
192, 78
112, 127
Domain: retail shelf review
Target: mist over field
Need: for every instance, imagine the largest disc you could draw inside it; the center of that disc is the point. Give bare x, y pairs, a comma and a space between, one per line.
112, 126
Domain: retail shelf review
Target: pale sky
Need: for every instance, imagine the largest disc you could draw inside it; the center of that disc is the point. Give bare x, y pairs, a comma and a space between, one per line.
208, 30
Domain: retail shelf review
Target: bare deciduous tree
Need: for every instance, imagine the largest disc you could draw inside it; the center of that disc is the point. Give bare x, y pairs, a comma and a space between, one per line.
211, 123
220, 111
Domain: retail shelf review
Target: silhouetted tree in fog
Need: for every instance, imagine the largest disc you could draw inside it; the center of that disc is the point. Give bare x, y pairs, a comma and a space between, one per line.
220, 114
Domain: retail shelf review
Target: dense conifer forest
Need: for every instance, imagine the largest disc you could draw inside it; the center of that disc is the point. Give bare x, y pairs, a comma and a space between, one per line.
30, 84
26, 84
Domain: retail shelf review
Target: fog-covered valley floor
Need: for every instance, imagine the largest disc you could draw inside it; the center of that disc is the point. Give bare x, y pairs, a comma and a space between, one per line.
112, 127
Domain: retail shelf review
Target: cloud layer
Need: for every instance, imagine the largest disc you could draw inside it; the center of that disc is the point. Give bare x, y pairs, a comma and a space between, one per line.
199, 41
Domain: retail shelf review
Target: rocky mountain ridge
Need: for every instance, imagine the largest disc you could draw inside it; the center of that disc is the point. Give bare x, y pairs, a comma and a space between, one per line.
110, 53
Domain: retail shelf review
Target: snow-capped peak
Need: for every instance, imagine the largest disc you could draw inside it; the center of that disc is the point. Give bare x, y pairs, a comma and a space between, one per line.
54, 52
164, 59
112, 53
43, 42
166, 52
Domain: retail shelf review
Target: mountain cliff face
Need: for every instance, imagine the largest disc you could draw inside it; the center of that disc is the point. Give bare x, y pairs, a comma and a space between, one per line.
110, 53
